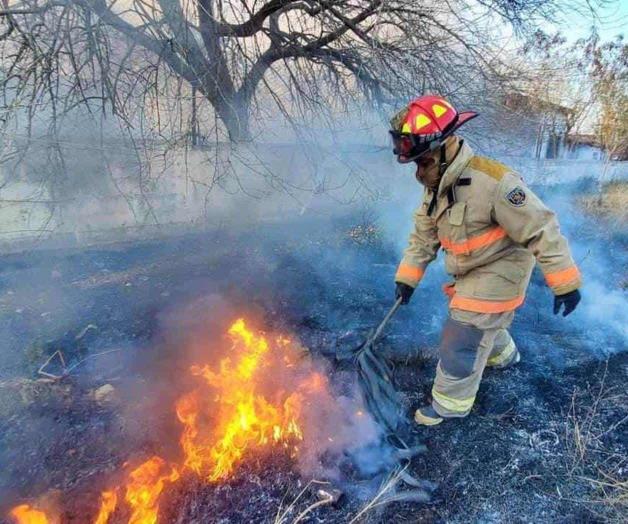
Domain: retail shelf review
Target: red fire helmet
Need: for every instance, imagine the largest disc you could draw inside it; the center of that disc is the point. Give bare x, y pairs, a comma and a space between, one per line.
424, 125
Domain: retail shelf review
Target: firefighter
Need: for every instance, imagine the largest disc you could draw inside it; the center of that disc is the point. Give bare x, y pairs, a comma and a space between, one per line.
492, 229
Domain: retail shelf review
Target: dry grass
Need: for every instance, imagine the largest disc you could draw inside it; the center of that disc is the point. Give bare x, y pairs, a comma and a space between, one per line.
594, 462
610, 203
385, 490
389, 492
284, 513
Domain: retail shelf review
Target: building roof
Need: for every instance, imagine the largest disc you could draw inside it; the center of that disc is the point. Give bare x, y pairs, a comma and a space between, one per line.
517, 100
584, 139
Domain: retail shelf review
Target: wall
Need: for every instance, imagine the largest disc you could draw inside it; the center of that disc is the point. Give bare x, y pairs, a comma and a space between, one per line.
235, 186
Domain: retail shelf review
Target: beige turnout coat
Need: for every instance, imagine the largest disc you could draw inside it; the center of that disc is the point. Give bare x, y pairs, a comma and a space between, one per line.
492, 228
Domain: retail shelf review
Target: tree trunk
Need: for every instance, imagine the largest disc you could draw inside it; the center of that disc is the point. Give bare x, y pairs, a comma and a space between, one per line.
235, 115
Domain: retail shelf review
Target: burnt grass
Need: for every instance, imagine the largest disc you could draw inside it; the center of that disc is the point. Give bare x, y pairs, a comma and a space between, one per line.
546, 442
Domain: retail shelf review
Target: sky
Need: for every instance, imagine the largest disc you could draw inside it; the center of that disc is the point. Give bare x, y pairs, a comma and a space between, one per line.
611, 20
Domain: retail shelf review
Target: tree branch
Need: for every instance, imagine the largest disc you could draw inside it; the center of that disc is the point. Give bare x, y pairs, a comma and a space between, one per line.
254, 23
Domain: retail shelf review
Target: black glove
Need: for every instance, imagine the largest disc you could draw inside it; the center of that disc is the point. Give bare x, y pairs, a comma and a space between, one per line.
404, 291
570, 300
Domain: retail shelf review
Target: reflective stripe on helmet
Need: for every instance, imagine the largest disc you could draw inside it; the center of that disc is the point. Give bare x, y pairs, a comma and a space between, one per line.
439, 110
421, 121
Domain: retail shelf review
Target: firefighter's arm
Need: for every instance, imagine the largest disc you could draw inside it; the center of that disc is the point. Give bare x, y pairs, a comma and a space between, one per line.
530, 223
422, 247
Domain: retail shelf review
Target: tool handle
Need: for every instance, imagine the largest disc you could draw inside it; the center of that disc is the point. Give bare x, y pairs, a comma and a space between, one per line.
389, 315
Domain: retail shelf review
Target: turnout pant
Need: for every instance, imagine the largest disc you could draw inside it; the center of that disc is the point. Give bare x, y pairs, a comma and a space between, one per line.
470, 342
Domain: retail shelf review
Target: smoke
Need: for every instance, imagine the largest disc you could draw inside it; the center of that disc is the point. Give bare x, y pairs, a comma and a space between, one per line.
606, 309
598, 326
597, 244
339, 437
308, 246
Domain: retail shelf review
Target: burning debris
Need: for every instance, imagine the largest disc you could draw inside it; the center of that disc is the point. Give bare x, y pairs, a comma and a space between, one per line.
108, 502
242, 417
144, 487
25, 514
251, 401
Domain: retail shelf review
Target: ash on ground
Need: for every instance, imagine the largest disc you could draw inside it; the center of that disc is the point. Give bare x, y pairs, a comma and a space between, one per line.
546, 441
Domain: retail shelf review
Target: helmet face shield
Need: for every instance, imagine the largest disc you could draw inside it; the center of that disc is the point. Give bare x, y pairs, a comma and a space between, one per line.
406, 147
402, 144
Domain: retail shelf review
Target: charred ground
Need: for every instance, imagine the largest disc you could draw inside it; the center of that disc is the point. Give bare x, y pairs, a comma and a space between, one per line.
547, 441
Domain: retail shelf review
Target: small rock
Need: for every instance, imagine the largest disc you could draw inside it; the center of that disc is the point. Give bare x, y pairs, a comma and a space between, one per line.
330, 495
104, 394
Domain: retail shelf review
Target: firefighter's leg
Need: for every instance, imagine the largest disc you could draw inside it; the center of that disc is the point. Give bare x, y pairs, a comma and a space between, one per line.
504, 352
460, 368
467, 342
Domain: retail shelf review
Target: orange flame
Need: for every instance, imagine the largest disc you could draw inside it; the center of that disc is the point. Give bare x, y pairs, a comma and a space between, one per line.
146, 483
108, 503
243, 418
24, 514
218, 430
144, 486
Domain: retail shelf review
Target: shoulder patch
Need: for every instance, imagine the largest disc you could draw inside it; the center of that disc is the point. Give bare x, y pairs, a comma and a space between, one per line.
489, 167
517, 197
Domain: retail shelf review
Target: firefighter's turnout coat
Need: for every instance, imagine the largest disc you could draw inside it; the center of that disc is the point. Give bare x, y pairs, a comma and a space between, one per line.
492, 227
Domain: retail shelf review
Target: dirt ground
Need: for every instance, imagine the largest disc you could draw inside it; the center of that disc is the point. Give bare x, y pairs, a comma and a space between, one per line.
547, 441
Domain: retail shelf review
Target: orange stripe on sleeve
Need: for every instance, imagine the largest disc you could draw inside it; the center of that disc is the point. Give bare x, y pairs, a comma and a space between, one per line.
563, 277
484, 306
409, 272
483, 240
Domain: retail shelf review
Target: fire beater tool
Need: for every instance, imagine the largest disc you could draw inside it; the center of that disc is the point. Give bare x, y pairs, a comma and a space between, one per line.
382, 400
375, 378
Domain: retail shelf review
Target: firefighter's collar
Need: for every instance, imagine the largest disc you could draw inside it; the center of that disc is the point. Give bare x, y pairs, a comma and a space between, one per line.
456, 167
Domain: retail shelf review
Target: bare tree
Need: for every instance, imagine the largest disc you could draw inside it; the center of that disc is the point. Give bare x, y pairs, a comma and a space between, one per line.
609, 75
131, 57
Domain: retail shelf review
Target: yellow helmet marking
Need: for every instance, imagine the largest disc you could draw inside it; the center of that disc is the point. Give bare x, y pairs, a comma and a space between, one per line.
421, 121
439, 110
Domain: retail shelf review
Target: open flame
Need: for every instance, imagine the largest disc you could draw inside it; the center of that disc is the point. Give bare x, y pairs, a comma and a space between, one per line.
144, 488
108, 502
238, 409
24, 514
242, 418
